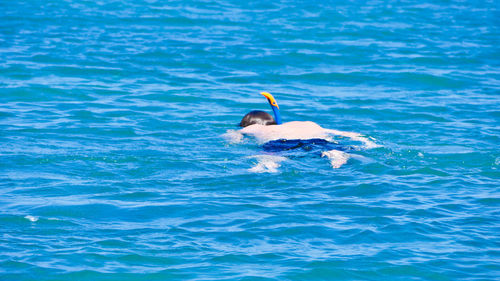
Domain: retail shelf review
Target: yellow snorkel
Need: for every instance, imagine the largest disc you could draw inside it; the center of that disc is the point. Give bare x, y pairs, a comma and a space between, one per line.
274, 107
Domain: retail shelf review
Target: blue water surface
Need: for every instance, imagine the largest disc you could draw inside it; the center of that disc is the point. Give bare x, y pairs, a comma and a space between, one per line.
113, 165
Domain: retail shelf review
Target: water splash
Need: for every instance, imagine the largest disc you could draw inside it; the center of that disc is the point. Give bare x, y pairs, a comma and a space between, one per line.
267, 163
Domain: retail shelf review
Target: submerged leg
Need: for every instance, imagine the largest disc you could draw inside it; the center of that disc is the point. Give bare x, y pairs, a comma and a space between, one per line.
368, 144
337, 158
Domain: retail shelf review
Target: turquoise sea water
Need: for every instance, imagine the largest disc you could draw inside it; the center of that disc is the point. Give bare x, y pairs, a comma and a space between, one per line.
113, 165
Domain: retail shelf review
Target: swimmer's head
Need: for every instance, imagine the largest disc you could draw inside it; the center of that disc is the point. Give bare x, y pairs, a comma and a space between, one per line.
257, 117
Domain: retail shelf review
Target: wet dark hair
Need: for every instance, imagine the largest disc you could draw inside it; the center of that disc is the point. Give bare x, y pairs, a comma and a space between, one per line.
257, 117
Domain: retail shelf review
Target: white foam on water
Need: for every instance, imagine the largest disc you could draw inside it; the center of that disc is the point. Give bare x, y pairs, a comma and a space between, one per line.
267, 163
337, 158
31, 218
233, 136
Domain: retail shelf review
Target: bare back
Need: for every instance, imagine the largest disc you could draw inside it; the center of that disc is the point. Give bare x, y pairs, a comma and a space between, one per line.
289, 130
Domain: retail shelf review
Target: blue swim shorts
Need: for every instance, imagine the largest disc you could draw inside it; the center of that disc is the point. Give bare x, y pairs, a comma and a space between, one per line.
310, 145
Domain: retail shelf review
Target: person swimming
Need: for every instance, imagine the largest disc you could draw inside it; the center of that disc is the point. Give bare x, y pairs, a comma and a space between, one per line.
275, 136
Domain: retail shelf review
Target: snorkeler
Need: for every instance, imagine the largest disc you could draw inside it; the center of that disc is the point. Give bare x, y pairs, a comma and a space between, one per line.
304, 135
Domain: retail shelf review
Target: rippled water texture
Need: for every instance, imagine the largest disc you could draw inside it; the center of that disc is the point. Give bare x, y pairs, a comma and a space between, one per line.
113, 165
